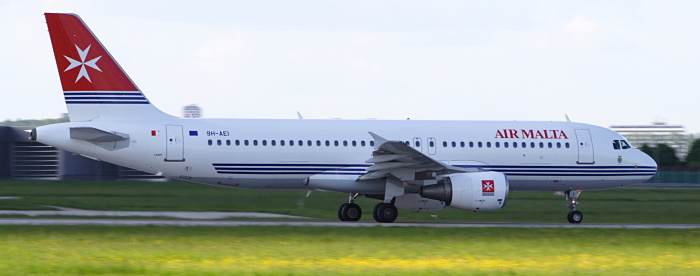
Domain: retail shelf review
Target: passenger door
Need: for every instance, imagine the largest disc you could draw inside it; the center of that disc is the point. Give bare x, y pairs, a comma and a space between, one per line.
585, 147
175, 150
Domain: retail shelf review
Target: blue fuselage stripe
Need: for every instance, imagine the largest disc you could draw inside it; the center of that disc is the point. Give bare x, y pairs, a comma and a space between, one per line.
102, 94
359, 169
107, 102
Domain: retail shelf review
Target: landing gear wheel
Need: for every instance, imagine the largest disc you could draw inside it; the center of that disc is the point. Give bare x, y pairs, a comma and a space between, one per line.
572, 198
385, 212
349, 212
575, 217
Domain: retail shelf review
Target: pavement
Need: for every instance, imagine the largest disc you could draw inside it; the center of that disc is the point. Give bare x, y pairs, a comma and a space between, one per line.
63, 211
239, 223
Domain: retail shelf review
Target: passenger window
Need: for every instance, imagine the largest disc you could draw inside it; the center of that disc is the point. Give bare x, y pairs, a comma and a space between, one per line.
218, 142
328, 143
541, 145
444, 144
505, 145
461, 144
264, 142
273, 143
471, 144
567, 145
255, 142
238, 142
309, 143
318, 143
558, 145
282, 143
488, 144
209, 142
301, 143
532, 145
228, 142
362, 143
480, 144
335, 143
432, 144
515, 144
616, 144
524, 145
345, 143
417, 143
498, 145
291, 143
245, 142
454, 144
549, 145
354, 143
371, 143
625, 145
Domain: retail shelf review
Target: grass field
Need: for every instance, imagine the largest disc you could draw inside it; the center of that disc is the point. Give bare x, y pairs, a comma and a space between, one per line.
97, 250
93, 250
610, 206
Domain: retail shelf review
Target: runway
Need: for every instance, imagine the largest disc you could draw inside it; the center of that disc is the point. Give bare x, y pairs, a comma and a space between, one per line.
240, 223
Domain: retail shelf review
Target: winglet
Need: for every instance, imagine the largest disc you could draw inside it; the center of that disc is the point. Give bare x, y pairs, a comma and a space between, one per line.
378, 140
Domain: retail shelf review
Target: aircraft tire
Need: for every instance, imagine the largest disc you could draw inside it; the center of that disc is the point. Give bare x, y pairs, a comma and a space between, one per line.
385, 212
341, 215
349, 212
575, 217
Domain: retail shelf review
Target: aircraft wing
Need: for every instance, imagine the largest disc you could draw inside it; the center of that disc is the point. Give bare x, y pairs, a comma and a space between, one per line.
395, 158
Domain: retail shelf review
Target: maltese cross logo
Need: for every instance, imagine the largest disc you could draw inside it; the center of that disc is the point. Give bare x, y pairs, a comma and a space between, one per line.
487, 187
90, 63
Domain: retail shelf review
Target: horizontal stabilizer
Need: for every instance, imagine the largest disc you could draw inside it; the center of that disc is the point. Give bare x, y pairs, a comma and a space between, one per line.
92, 134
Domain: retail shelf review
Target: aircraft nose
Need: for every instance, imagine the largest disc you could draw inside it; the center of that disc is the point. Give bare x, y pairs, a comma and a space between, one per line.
647, 163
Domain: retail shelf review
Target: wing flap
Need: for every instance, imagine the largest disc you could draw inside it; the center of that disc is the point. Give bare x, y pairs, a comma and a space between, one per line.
395, 158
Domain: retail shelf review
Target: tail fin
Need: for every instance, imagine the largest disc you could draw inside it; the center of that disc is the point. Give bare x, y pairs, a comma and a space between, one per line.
94, 85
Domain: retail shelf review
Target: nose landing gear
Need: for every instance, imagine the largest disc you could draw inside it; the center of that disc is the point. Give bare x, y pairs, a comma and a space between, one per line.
572, 198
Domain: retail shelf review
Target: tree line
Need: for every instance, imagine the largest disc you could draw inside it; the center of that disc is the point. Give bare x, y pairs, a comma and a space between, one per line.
665, 156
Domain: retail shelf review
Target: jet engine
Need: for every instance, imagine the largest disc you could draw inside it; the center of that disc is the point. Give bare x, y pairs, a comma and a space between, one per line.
480, 191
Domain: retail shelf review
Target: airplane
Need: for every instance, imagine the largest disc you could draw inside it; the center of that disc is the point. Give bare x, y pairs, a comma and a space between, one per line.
419, 165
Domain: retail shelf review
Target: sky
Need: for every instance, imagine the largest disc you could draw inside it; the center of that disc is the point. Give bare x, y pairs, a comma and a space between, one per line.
599, 62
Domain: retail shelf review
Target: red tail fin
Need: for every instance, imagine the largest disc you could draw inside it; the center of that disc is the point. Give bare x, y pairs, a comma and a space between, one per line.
83, 63
94, 85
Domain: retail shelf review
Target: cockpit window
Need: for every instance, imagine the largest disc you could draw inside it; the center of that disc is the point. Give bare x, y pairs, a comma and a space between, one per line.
625, 145
616, 144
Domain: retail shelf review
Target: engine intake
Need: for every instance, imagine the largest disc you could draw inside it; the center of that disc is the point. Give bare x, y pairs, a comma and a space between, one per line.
481, 191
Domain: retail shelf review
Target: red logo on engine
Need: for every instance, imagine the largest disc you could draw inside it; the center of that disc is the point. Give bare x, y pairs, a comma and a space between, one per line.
487, 187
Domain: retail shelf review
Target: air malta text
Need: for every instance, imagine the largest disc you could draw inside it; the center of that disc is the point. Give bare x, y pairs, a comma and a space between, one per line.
531, 134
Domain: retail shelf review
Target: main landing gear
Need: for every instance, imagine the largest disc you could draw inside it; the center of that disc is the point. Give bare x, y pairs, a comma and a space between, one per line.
383, 212
573, 216
350, 211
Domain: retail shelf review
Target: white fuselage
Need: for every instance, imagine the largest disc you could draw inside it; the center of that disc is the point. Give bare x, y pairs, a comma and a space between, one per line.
283, 154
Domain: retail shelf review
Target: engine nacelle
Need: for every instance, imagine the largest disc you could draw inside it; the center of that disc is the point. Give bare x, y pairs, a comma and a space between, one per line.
480, 191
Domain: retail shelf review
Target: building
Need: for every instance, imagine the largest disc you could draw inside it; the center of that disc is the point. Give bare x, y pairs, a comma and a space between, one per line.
21, 158
191, 111
674, 136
